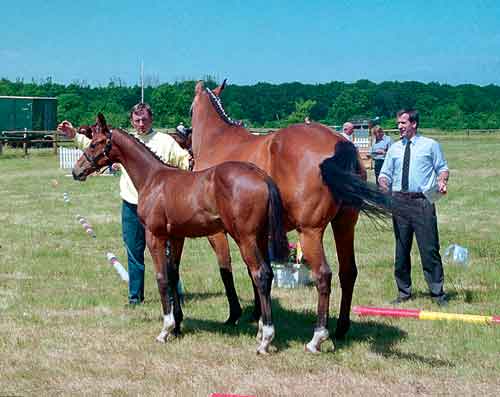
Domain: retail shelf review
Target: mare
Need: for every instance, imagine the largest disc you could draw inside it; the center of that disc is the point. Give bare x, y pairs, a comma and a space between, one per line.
321, 181
235, 197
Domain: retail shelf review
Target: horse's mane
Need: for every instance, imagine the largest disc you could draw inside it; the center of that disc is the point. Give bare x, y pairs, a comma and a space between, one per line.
141, 143
216, 102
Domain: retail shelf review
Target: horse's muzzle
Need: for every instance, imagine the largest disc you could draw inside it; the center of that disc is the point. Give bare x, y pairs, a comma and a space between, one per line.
78, 176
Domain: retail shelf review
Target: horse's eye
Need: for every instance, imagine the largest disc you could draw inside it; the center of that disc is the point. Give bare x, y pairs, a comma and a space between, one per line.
92, 145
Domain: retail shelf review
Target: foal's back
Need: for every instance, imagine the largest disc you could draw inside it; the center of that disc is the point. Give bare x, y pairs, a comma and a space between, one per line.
232, 197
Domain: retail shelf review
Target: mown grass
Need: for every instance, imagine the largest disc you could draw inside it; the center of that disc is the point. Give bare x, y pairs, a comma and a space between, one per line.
65, 330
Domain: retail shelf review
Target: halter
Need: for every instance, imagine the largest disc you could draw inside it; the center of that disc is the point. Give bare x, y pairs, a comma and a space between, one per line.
104, 153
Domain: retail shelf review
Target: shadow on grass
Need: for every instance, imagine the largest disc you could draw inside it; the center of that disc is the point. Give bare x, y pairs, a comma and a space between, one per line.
297, 326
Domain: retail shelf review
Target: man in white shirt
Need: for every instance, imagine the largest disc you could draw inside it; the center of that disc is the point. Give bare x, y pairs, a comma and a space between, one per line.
347, 131
141, 118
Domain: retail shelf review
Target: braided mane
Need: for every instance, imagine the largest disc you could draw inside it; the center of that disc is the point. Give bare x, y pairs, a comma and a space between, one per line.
216, 102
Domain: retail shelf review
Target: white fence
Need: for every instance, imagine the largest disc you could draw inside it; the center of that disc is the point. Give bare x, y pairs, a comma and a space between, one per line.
68, 157
362, 143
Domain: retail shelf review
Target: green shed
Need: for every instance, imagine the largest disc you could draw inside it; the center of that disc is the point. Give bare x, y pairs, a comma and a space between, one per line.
19, 113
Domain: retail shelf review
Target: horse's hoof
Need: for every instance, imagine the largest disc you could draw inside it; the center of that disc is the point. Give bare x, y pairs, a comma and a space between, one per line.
261, 351
161, 338
342, 328
308, 348
177, 333
320, 335
232, 320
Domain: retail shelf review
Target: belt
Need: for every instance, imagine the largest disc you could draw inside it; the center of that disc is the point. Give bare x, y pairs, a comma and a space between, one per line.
409, 195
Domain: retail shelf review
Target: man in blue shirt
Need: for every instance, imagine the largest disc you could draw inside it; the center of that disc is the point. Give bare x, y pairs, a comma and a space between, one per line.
414, 169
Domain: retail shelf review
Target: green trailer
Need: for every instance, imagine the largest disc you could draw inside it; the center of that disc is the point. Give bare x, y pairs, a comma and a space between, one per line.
28, 113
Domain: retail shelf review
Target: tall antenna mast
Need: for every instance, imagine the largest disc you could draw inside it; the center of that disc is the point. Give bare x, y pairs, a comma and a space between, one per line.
142, 81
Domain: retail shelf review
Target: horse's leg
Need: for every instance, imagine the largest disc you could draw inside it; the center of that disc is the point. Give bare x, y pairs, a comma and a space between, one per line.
174, 247
343, 230
157, 250
312, 246
262, 276
220, 245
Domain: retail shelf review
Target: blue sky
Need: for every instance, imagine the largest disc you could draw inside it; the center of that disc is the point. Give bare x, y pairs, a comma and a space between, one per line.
310, 41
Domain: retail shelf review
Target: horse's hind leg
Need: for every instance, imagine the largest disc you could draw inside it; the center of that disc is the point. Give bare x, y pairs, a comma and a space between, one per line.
262, 276
343, 230
312, 246
157, 250
220, 245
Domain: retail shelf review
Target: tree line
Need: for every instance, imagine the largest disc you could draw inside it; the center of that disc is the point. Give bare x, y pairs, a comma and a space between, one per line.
276, 105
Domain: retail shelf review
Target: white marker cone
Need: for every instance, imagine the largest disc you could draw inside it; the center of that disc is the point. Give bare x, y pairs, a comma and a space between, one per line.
118, 266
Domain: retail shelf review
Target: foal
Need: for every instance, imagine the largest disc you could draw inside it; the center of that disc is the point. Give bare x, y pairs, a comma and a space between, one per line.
233, 197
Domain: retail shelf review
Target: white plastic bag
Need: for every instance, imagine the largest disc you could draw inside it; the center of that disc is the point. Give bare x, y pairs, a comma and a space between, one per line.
456, 255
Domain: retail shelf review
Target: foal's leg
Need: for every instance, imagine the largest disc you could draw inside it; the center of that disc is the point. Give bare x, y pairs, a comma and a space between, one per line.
220, 245
262, 276
174, 247
311, 241
343, 231
157, 250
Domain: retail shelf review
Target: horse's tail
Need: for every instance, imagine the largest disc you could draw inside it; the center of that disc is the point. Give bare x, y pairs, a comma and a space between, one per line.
341, 173
278, 242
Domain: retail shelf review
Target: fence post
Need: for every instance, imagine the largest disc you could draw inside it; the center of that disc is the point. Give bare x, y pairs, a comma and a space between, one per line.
1, 147
25, 144
54, 142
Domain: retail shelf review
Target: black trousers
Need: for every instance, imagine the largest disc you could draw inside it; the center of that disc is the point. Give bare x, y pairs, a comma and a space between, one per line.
420, 220
378, 166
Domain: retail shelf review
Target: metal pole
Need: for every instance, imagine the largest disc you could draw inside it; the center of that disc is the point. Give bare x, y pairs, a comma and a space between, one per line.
142, 81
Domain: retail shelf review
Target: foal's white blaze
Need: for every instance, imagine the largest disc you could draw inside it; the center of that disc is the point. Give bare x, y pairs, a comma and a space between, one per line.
320, 335
168, 325
267, 337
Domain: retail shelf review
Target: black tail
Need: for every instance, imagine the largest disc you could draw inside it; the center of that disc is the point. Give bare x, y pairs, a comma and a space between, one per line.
278, 242
341, 173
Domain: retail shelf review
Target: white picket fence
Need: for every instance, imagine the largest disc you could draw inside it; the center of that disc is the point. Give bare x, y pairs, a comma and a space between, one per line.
362, 143
68, 157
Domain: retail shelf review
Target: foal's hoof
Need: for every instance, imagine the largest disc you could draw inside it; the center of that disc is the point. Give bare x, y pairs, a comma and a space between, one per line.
262, 351
233, 319
162, 338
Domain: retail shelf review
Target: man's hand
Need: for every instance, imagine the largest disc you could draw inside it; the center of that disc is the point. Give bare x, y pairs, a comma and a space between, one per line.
443, 182
67, 129
116, 166
384, 184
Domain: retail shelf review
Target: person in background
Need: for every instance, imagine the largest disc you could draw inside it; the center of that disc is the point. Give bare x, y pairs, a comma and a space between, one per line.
141, 118
415, 165
379, 149
347, 131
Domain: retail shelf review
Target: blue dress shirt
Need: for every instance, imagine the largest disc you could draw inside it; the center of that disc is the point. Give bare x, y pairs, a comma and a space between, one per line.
426, 163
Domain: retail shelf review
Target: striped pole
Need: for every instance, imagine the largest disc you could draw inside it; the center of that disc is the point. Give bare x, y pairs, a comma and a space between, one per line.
423, 315
86, 226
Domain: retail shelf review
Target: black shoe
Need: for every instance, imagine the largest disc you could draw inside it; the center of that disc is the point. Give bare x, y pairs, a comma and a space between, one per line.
441, 300
401, 299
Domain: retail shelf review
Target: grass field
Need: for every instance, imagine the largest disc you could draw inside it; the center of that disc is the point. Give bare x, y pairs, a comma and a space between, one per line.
65, 330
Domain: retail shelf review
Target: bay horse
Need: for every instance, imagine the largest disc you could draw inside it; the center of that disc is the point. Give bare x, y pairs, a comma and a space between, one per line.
321, 181
235, 197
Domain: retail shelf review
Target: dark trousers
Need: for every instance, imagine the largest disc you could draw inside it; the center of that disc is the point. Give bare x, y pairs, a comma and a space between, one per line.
378, 166
419, 220
135, 242
134, 237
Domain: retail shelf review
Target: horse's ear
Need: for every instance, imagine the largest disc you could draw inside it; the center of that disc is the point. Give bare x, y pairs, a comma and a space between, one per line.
199, 87
101, 122
219, 89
